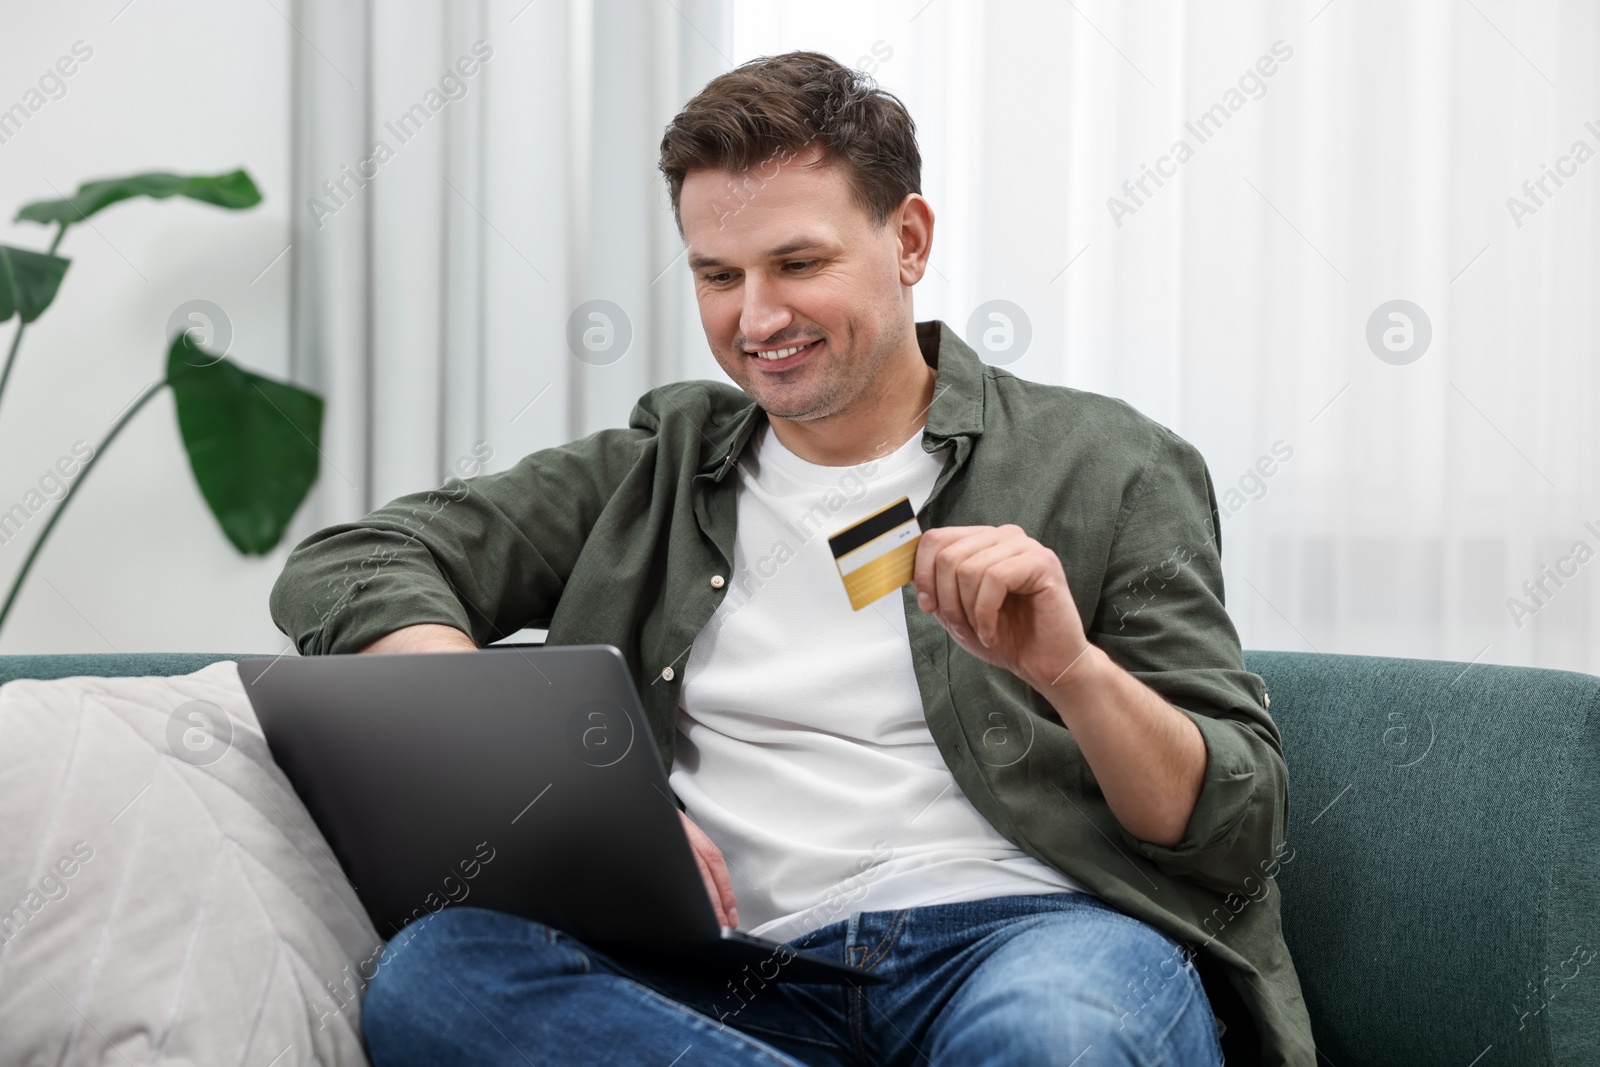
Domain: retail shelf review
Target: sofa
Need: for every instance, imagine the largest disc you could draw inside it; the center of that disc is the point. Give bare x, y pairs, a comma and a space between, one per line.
1441, 890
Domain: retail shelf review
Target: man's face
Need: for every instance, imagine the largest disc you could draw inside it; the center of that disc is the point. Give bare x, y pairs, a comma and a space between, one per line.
784, 257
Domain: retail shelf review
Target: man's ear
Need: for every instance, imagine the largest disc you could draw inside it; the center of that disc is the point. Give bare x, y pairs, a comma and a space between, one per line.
913, 223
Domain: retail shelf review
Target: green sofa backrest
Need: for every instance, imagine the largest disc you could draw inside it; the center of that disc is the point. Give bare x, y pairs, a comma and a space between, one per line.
110, 664
1442, 899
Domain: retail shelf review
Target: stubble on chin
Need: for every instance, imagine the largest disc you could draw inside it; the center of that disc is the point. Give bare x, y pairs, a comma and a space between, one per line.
815, 400
793, 408
829, 391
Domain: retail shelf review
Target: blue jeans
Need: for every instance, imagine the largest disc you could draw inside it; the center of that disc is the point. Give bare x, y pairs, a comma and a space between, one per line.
1062, 979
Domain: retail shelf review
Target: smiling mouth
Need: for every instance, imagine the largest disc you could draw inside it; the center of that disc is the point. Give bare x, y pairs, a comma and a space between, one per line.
785, 355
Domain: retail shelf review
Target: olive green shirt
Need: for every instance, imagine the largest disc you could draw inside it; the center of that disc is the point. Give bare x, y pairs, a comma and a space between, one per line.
615, 538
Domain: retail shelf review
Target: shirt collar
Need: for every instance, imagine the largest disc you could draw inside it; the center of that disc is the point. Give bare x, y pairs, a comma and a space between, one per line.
956, 410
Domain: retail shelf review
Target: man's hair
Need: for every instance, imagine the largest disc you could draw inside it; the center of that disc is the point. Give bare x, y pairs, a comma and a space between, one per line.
766, 111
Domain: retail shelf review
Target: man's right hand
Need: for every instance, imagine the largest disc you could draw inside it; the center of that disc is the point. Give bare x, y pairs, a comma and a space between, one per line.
423, 637
714, 870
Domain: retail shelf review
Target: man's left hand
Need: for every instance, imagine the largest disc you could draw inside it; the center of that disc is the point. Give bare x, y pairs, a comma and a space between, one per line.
1003, 597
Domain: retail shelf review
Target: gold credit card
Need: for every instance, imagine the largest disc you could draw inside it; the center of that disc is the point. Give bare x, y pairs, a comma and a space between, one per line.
876, 555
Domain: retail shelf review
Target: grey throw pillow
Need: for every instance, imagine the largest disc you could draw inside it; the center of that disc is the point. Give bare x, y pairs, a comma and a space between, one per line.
164, 896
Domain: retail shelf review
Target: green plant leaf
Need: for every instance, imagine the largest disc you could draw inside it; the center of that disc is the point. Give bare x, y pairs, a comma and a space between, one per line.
252, 443
28, 281
233, 191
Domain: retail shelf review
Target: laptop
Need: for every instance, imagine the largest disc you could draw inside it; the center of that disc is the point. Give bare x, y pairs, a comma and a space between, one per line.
518, 778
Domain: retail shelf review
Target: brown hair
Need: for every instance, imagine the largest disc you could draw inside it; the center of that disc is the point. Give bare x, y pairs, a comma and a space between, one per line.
772, 107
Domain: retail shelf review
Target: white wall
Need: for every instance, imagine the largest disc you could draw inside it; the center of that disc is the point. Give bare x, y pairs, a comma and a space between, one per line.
138, 563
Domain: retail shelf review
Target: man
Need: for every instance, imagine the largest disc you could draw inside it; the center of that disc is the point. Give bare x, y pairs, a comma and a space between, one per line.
1034, 786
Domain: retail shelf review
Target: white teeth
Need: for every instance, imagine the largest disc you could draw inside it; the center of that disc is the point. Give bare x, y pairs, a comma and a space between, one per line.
779, 353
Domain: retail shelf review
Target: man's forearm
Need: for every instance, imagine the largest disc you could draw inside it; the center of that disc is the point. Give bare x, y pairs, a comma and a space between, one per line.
423, 637
1147, 756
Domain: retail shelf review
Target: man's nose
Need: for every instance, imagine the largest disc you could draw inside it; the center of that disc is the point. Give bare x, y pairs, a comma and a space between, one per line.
765, 313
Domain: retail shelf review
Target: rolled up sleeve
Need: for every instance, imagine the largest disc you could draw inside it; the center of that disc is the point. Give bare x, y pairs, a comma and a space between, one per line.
488, 555
1161, 618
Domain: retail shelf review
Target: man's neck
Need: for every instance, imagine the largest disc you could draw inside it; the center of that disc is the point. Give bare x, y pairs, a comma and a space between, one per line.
876, 424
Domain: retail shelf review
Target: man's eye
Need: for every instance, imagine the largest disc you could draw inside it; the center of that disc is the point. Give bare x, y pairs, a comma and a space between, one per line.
716, 279
802, 263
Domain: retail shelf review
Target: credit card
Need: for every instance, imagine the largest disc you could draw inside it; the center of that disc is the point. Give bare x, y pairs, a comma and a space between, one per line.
876, 556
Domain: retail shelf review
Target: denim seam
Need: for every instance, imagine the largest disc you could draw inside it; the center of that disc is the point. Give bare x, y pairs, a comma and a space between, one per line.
857, 1013
867, 959
886, 942
1196, 994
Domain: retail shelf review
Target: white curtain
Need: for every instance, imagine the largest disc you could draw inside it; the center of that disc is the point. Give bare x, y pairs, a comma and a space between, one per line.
471, 214
1372, 164
1340, 156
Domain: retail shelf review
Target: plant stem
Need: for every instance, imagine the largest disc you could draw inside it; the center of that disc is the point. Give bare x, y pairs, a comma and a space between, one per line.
55, 516
16, 339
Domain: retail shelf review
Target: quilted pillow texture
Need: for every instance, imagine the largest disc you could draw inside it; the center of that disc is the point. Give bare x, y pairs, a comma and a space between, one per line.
164, 896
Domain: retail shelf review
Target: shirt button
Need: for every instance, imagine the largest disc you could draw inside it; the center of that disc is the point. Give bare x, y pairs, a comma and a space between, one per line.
717, 581
667, 674
1266, 698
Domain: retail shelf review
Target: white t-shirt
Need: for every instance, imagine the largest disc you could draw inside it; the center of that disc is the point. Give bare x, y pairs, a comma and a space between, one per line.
802, 749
